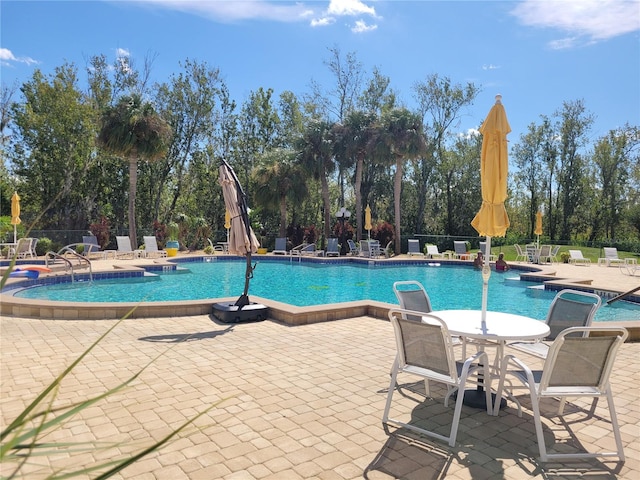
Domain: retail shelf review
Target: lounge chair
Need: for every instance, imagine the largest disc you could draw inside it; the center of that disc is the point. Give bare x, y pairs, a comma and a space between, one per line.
414, 248
433, 252
610, 257
460, 250
578, 365
281, 246
630, 267
91, 247
353, 248
520, 255
23, 248
570, 308
332, 248
425, 349
575, 257
483, 249
125, 250
306, 249
151, 247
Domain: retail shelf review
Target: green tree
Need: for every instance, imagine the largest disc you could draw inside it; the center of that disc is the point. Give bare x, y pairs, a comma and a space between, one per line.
399, 138
133, 130
52, 148
279, 179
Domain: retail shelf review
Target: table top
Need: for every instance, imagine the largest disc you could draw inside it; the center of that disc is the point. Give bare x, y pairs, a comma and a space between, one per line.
500, 326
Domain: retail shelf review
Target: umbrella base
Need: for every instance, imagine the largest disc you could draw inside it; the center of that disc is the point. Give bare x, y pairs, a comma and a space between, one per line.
231, 313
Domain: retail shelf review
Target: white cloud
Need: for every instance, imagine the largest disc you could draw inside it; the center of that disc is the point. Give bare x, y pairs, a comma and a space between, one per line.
8, 58
322, 22
122, 52
361, 26
490, 66
349, 7
585, 21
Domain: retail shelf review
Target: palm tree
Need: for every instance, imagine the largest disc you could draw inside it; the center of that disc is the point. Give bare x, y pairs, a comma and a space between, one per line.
134, 131
316, 153
400, 137
278, 179
353, 141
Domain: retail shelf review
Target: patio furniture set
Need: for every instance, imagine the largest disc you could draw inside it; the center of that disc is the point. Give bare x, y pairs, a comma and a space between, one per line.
578, 360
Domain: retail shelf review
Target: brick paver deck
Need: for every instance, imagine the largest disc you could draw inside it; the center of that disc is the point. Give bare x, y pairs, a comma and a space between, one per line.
292, 403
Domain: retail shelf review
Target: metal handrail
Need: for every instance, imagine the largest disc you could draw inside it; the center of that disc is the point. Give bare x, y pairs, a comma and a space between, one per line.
61, 255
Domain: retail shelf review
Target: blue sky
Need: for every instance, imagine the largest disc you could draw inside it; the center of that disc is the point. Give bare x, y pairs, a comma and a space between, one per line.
536, 53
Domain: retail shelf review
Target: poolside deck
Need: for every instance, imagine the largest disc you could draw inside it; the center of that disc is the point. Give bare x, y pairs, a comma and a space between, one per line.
296, 402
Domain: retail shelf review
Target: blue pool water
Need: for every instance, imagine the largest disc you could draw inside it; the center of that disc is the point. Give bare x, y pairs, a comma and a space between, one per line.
305, 284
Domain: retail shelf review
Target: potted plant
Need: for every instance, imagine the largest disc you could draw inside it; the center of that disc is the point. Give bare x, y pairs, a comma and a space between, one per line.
172, 246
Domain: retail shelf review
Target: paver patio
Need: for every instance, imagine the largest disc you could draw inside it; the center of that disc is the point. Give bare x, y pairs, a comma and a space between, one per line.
293, 403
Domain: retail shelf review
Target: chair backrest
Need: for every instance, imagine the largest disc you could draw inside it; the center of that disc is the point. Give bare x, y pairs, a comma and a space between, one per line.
90, 243
610, 253
23, 247
124, 244
483, 248
281, 244
432, 250
554, 250
309, 248
332, 245
576, 254
582, 357
571, 308
414, 246
545, 251
425, 345
411, 295
150, 243
518, 249
352, 246
364, 246
459, 246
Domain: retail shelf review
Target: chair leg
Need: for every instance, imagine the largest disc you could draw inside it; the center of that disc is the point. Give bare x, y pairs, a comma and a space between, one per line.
392, 387
614, 424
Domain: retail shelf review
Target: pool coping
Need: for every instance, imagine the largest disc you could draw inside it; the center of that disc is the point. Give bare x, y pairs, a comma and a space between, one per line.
282, 312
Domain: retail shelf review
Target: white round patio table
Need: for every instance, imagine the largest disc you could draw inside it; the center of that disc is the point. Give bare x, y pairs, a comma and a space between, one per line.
499, 328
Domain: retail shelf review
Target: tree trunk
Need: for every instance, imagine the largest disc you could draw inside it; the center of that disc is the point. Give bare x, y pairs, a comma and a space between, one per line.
397, 191
327, 204
358, 192
283, 216
133, 181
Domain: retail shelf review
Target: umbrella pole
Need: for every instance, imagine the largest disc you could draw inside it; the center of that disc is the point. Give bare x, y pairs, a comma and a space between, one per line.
486, 274
15, 234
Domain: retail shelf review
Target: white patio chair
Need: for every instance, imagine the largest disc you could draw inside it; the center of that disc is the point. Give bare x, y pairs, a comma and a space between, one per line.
553, 256
23, 248
425, 349
544, 254
520, 255
570, 308
460, 249
575, 257
483, 249
151, 247
414, 248
578, 365
353, 248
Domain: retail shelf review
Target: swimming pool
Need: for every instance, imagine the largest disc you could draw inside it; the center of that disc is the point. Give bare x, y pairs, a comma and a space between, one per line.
318, 283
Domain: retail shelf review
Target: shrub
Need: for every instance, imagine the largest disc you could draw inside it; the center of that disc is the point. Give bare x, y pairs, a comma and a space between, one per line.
43, 246
101, 231
208, 250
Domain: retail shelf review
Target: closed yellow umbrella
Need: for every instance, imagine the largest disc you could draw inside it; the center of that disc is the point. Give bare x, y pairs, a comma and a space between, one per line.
538, 230
367, 220
492, 219
227, 223
15, 215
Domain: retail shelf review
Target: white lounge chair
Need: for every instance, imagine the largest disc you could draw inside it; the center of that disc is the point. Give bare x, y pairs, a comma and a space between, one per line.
91, 247
414, 248
281, 246
306, 249
610, 257
575, 257
125, 250
433, 252
483, 249
151, 247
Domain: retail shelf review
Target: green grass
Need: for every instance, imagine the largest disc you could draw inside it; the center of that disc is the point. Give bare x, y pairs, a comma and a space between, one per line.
591, 253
